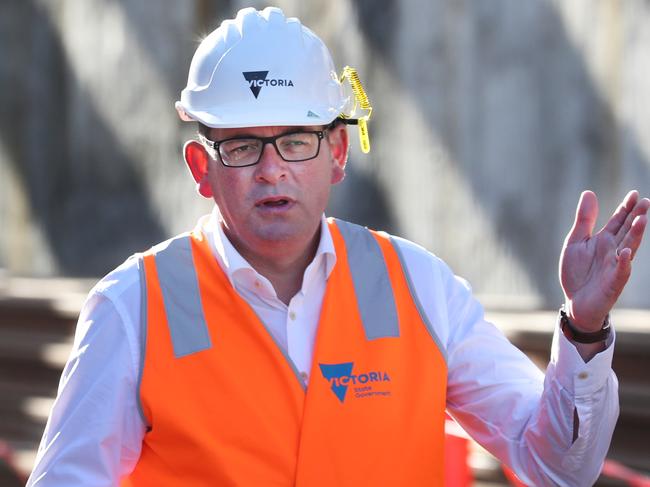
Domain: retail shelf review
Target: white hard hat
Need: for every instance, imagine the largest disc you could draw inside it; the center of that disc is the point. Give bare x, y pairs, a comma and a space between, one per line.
262, 69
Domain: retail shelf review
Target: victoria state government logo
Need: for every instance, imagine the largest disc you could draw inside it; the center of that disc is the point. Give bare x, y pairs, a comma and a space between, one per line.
257, 79
375, 383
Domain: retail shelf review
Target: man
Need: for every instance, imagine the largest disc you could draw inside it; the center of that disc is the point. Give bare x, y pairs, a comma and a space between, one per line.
270, 346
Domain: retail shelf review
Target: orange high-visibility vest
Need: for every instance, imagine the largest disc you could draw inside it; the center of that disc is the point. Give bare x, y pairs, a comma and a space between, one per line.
226, 407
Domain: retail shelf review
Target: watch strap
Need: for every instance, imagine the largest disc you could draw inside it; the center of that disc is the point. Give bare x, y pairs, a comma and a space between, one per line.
580, 336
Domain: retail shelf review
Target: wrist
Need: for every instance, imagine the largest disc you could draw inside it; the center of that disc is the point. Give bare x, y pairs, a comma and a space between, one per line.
585, 323
580, 334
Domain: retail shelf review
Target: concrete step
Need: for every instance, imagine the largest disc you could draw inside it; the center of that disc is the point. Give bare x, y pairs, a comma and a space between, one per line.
37, 322
24, 455
28, 347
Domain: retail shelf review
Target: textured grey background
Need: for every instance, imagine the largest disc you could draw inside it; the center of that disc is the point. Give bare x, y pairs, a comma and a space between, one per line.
490, 118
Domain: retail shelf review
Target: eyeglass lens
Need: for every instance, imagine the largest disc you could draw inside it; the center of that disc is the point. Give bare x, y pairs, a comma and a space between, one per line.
291, 147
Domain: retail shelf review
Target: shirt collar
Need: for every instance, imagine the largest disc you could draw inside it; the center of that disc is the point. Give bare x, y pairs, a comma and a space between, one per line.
233, 263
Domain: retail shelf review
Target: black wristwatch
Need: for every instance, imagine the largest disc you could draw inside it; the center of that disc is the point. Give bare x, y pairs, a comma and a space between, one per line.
580, 336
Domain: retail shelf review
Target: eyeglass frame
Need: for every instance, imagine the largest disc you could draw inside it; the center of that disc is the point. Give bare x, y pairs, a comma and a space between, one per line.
214, 144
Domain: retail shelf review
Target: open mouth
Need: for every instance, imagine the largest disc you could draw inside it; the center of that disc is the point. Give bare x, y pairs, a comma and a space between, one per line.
274, 202
281, 202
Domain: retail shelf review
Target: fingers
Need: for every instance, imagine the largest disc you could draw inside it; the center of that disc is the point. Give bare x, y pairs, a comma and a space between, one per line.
586, 215
623, 270
621, 213
633, 237
625, 252
639, 209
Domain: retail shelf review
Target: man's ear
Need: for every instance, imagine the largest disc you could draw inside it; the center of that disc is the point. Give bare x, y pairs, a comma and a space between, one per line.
339, 146
197, 159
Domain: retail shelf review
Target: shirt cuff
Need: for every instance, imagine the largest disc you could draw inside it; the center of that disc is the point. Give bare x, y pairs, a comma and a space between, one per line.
571, 371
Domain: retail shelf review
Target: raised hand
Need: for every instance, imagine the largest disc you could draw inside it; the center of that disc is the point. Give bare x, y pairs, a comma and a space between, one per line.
594, 268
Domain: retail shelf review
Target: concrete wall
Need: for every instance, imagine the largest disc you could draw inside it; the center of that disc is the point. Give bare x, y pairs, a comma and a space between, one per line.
490, 118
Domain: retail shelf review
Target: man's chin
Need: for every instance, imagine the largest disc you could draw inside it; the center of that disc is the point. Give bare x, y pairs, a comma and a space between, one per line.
284, 233
280, 234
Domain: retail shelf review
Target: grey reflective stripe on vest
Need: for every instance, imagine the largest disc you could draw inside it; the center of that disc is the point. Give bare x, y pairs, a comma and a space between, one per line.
416, 300
181, 296
143, 335
372, 285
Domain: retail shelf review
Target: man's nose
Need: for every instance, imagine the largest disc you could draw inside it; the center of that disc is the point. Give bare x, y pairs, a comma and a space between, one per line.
271, 167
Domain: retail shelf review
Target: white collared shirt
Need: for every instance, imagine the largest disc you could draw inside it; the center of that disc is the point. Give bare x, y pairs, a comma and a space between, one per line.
94, 433
294, 326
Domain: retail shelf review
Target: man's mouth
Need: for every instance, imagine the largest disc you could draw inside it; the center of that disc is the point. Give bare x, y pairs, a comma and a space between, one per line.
274, 202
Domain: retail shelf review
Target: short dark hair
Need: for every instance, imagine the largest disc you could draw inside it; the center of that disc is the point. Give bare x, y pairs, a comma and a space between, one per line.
204, 130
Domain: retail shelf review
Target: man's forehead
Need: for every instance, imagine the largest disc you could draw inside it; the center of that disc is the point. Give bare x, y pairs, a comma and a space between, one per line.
262, 131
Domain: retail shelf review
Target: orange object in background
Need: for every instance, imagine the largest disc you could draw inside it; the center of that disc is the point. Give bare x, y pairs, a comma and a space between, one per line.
512, 478
457, 472
9, 474
611, 468
617, 470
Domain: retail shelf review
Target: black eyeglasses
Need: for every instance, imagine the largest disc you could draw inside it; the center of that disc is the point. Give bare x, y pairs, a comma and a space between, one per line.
298, 146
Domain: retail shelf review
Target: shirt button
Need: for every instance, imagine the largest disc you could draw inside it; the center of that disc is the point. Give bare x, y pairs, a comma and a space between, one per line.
583, 375
304, 376
258, 284
292, 315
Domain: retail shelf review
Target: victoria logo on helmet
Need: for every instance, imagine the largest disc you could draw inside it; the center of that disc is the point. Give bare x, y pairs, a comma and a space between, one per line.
257, 79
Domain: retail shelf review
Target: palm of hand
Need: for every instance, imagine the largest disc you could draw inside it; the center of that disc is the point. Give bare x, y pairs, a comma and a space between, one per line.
595, 268
589, 277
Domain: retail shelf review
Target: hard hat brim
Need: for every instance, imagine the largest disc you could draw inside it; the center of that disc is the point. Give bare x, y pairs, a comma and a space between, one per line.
298, 116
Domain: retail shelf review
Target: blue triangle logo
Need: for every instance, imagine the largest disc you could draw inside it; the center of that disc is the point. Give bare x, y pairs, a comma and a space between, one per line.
253, 77
334, 373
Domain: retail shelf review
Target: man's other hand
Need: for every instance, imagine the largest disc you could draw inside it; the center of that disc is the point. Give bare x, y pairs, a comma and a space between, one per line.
594, 268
